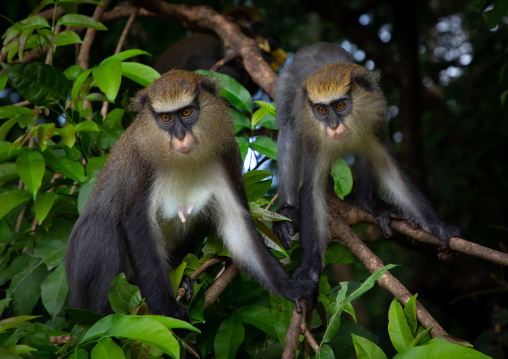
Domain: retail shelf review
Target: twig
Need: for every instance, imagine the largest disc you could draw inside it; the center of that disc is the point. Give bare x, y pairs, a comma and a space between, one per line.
121, 41
294, 330
201, 269
218, 286
224, 61
309, 338
84, 52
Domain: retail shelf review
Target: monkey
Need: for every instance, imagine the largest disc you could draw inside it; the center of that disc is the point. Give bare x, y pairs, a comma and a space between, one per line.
328, 107
173, 174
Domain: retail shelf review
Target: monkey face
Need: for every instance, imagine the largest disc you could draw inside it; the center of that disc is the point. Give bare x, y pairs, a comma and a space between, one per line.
179, 124
333, 114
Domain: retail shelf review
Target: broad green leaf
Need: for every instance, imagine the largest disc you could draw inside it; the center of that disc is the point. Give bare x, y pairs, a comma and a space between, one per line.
18, 349
12, 199
25, 288
25, 34
176, 277
268, 121
339, 253
85, 191
325, 352
254, 185
106, 348
140, 73
44, 134
7, 354
108, 76
421, 337
34, 22
147, 329
78, 84
240, 121
243, 145
229, 337
3, 81
342, 178
440, 350
38, 83
64, 165
365, 349
67, 38
334, 322
258, 115
235, 93
43, 204
54, 290
73, 72
13, 321
266, 146
265, 214
80, 21
87, 126
39, 339
6, 127
120, 294
269, 237
8, 172
398, 328
13, 110
96, 96
282, 311
260, 317
68, 133
49, 36
124, 55
30, 166
410, 314
78, 354
265, 115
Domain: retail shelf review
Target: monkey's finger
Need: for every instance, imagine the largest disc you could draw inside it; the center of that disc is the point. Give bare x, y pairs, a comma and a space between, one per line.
181, 215
298, 306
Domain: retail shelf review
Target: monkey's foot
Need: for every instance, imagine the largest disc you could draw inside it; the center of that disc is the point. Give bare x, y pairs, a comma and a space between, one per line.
188, 284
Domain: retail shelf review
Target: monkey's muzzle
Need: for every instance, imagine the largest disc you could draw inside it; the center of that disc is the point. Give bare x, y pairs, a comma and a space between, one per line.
185, 145
339, 133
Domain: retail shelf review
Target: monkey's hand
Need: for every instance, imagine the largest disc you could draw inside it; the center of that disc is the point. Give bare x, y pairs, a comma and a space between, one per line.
284, 230
302, 289
383, 213
188, 284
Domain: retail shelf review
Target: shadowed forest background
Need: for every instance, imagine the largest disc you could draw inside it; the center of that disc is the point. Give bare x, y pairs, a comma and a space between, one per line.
443, 67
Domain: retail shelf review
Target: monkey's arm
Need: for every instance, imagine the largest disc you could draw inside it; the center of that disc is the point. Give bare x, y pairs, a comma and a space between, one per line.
245, 244
289, 160
408, 202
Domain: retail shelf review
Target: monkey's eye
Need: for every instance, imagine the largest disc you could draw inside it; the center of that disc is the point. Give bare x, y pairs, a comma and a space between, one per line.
340, 106
165, 117
321, 109
186, 112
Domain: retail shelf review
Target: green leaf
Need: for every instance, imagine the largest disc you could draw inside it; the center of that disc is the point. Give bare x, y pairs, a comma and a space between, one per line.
85, 191
229, 337
49, 37
266, 146
6, 127
44, 134
38, 83
339, 253
13, 321
12, 199
421, 337
108, 76
93, 164
78, 84
440, 350
8, 172
25, 288
325, 352
243, 145
120, 294
240, 121
235, 93
106, 348
342, 178
39, 339
176, 277
398, 328
282, 311
410, 314
13, 110
87, 126
80, 21
3, 81
43, 204
68, 133
67, 38
34, 22
254, 185
365, 349
64, 165
73, 72
147, 329
124, 55
140, 73
54, 290
260, 317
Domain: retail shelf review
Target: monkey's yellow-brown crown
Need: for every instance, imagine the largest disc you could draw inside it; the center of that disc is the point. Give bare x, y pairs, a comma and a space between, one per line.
332, 81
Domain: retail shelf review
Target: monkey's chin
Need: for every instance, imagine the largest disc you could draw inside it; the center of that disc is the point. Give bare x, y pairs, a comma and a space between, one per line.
339, 133
186, 149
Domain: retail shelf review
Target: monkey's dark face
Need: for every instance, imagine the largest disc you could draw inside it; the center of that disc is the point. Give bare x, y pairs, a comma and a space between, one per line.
333, 114
179, 124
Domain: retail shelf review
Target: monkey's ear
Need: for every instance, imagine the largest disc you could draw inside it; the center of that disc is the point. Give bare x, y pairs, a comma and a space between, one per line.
369, 80
209, 85
139, 102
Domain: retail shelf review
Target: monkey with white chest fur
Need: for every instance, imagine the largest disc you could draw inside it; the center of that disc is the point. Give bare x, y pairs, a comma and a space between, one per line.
173, 174
329, 107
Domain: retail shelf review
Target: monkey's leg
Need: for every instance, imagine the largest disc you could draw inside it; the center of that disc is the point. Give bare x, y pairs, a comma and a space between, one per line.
151, 265
96, 255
